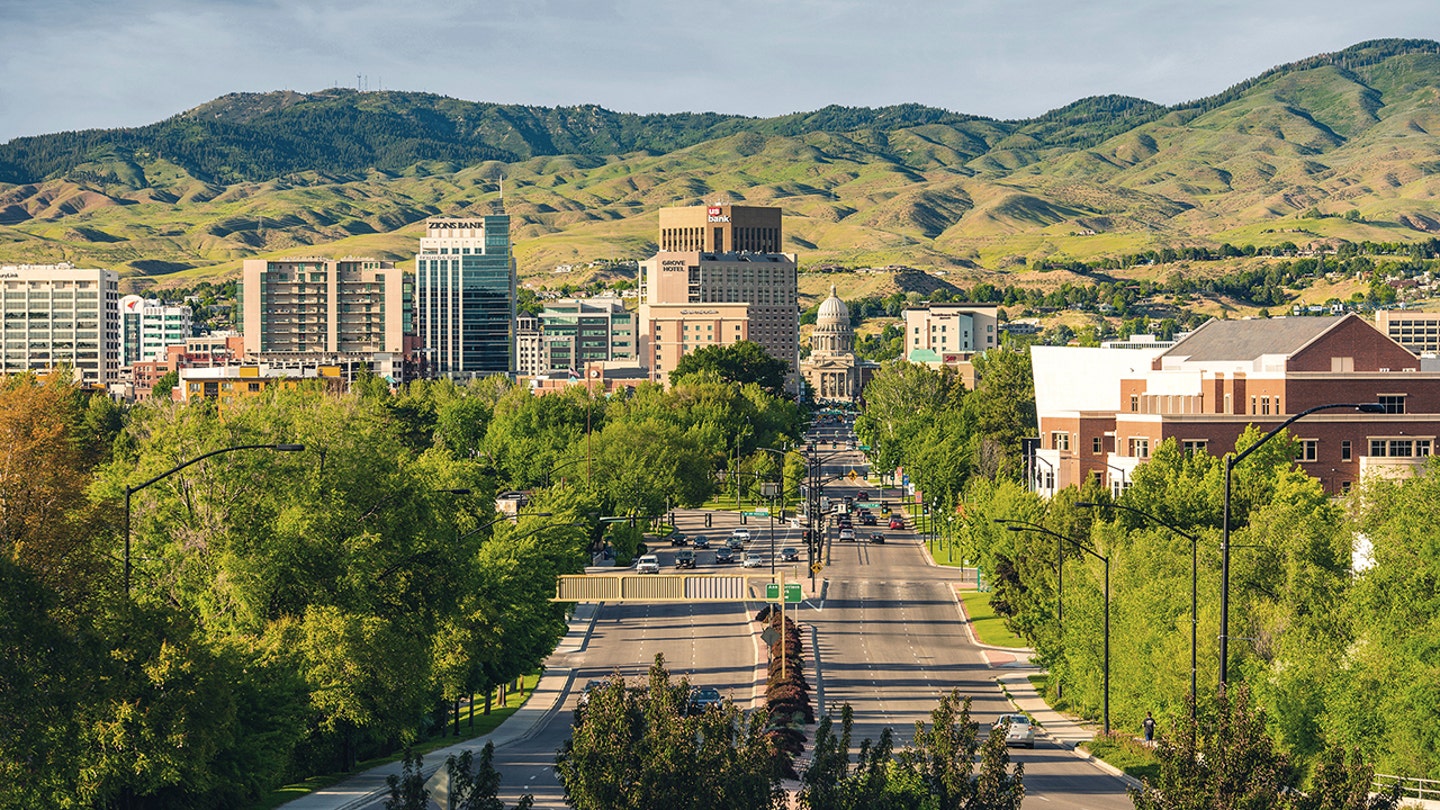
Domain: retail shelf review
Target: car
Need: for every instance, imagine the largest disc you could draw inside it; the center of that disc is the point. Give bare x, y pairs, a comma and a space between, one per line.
847, 534
724, 555
734, 544
877, 537
844, 523
789, 555
863, 495
751, 560
896, 523
648, 564
704, 697
678, 538
1020, 730
700, 541
684, 558
590, 686
868, 519
743, 535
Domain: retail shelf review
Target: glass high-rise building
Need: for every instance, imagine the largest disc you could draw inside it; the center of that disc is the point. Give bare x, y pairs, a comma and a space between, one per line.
465, 296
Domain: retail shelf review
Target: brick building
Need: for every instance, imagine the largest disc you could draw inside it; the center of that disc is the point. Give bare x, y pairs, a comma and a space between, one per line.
1103, 411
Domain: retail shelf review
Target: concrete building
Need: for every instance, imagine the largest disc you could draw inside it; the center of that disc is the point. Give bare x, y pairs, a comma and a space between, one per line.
229, 385
941, 334
734, 263
1102, 412
58, 314
1417, 331
527, 347
323, 306
465, 296
148, 326
575, 332
206, 351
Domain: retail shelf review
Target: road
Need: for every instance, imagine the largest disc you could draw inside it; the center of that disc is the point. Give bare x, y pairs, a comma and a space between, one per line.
881, 629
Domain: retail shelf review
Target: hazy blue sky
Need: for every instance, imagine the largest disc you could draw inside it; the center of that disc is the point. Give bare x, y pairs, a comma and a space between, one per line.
75, 64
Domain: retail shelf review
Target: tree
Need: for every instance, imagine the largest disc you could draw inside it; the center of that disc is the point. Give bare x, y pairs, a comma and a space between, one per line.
407, 789
476, 786
742, 362
166, 384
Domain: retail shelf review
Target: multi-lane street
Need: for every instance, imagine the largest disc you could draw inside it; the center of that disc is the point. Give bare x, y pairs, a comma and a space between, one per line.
882, 632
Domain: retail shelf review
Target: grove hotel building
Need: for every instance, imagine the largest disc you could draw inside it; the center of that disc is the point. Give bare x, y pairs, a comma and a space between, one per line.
719, 274
1103, 411
58, 314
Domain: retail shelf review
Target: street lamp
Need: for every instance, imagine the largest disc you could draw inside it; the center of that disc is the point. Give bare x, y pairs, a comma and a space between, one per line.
1030, 527
1230, 461
1194, 579
129, 490
1059, 580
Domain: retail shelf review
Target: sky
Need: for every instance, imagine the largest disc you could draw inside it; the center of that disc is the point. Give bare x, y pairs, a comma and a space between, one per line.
78, 64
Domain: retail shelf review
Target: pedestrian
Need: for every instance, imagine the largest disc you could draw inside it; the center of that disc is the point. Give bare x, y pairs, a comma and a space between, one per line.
1149, 726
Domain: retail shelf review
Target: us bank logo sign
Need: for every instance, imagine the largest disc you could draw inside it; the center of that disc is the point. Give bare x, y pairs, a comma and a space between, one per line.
716, 214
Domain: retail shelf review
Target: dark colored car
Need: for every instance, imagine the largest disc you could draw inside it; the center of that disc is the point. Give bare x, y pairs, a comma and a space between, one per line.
590, 686
704, 697
789, 555
700, 541
877, 537
868, 519
863, 495
678, 539
684, 558
724, 555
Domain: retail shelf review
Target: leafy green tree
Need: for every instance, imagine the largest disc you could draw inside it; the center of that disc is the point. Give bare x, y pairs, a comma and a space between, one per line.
165, 385
476, 785
1002, 410
742, 362
407, 789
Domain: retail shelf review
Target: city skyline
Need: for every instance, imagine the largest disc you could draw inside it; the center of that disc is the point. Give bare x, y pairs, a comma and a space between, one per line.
120, 65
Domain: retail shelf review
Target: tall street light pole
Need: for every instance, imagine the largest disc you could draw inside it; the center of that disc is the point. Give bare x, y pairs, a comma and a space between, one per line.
1230, 461
1030, 527
1059, 582
1194, 580
129, 490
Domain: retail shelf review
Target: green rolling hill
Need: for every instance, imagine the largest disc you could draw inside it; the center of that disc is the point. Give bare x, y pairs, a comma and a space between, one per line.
1353, 136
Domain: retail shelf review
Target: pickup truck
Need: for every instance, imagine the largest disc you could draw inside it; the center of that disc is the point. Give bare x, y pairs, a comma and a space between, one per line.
648, 564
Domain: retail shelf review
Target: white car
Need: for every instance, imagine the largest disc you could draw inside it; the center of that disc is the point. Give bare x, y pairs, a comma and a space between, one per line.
743, 535
648, 564
1020, 732
847, 534
751, 561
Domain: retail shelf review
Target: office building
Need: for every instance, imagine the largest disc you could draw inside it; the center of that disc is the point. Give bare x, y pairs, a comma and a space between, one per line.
694, 297
527, 347
575, 332
148, 326
465, 296
1102, 412
60, 315
1417, 331
944, 334
299, 307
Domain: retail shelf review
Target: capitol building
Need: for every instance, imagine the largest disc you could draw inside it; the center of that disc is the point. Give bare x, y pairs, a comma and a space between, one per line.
832, 372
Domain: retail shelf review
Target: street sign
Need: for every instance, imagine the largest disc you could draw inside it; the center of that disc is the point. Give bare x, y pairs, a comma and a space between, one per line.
815, 568
865, 447
769, 635
792, 593
772, 592
762, 512
852, 476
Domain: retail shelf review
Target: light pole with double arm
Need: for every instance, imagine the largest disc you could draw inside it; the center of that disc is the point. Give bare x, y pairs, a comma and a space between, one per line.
1230, 461
129, 490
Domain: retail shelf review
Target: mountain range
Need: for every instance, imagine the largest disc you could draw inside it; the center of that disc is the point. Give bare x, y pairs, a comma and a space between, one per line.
1343, 145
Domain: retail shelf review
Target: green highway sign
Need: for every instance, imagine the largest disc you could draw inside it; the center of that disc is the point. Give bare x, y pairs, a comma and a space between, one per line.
757, 513
864, 447
792, 593
772, 591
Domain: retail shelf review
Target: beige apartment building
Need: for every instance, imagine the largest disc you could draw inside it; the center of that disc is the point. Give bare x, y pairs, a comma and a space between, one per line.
348, 306
945, 334
688, 297
1417, 331
57, 315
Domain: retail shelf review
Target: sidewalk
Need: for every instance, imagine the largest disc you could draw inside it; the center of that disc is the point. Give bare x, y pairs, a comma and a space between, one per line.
549, 693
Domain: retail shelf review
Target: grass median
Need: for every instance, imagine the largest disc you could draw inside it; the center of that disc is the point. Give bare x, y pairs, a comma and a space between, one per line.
989, 627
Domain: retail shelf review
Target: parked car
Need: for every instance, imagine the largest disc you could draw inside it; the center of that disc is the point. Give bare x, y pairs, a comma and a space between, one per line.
1020, 730
704, 697
896, 523
700, 541
724, 555
684, 558
648, 564
875, 537
789, 555
847, 534
751, 560
743, 535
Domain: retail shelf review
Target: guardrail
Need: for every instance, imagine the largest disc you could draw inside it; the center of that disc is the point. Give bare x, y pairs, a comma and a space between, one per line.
1410, 787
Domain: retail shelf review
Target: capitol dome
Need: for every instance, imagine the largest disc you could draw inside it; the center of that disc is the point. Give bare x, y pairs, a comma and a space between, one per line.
833, 311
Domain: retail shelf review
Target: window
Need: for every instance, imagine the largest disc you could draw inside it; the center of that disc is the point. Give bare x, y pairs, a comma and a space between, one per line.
1252, 405
1345, 450
1195, 445
1134, 403
1097, 445
1393, 403
1140, 448
1309, 450
1060, 440
1345, 487
1265, 406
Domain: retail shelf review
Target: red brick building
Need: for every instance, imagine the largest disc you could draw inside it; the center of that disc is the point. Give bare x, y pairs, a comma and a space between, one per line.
1209, 386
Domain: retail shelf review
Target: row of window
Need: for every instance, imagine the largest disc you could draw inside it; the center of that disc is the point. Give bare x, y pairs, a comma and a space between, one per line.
1261, 404
1139, 447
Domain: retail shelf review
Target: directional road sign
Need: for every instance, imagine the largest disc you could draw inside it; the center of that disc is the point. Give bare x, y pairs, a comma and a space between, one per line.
772, 592
792, 593
816, 568
852, 476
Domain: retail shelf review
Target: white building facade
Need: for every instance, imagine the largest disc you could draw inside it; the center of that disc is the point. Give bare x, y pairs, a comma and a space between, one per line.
147, 326
60, 315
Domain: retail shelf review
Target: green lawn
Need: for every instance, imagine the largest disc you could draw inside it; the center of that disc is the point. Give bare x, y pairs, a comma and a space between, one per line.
989, 628
1128, 754
484, 724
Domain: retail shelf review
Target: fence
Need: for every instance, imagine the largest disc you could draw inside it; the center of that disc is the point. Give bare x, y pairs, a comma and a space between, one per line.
1410, 787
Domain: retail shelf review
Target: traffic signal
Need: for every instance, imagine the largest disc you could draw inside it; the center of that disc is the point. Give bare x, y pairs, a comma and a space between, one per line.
707, 520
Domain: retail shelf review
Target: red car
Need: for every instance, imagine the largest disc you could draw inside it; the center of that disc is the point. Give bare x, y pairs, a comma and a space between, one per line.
896, 523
